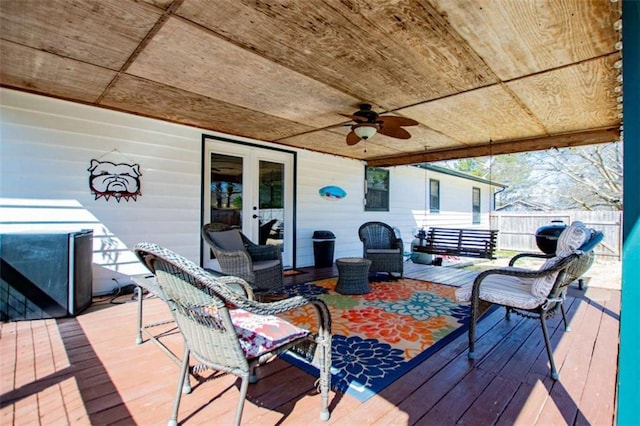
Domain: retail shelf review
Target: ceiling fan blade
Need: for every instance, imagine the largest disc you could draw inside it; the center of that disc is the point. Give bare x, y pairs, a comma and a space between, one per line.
352, 138
394, 121
394, 132
356, 118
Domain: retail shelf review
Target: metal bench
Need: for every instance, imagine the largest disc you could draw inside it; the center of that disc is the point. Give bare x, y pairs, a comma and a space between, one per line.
480, 243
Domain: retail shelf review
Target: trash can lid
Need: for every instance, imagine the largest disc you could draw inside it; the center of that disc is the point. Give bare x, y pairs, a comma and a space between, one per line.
323, 235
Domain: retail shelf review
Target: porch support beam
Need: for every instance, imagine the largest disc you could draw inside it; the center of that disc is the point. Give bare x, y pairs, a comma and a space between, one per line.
538, 143
629, 353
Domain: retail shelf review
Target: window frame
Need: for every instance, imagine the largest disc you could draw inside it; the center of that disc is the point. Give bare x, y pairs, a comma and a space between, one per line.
383, 201
434, 207
476, 216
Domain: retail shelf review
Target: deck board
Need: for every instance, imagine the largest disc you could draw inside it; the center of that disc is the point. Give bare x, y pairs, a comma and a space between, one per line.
89, 370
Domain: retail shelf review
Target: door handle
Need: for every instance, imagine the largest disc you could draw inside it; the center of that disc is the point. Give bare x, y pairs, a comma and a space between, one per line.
255, 216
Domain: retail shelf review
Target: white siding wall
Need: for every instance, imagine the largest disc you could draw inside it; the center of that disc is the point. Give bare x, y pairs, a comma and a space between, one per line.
47, 144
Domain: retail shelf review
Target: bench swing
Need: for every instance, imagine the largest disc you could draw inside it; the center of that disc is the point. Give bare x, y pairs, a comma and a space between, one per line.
459, 242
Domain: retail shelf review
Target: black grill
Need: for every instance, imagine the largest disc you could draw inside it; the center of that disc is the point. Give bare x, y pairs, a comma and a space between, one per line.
547, 236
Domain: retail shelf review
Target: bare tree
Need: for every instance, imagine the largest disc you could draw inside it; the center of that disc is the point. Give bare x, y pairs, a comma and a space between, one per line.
589, 177
584, 178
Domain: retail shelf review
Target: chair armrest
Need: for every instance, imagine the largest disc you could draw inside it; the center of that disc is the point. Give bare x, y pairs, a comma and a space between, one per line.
397, 243
236, 263
524, 273
323, 334
235, 283
517, 257
266, 252
271, 308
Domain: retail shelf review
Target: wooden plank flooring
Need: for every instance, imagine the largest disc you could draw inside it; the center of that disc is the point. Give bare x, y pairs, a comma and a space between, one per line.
89, 370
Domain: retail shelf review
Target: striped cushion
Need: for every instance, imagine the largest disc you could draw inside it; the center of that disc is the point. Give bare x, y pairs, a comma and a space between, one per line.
570, 240
542, 286
503, 290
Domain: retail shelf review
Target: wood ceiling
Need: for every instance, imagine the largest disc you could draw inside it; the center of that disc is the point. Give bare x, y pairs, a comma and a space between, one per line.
525, 74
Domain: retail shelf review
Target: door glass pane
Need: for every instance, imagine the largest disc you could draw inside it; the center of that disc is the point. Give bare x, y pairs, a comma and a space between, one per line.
271, 202
226, 189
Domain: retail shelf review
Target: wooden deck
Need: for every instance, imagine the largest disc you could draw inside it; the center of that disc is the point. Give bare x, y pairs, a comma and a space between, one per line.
89, 370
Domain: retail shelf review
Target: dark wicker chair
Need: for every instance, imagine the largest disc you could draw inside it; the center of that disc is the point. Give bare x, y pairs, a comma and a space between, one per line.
260, 266
381, 246
531, 293
224, 329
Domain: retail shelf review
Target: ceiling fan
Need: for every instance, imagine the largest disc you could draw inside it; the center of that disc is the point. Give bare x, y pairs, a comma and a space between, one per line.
368, 123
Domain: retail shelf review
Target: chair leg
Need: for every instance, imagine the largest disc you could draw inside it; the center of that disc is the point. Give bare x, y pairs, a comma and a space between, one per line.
507, 314
139, 335
472, 332
325, 380
545, 332
244, 387
564, 318
173, 421
253, 377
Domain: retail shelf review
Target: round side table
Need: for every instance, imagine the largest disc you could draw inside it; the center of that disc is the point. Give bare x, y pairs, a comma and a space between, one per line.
353, 275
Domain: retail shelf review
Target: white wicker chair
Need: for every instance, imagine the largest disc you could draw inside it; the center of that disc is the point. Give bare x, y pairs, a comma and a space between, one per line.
225, 330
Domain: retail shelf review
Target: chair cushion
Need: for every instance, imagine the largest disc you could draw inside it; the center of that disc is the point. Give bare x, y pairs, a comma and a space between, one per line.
260, 334
542, 285
569, 241
261, 265
504, 290
230, 240
595, 238
572, 238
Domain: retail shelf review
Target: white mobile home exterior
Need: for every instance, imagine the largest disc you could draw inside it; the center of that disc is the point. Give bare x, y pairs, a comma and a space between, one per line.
47, 145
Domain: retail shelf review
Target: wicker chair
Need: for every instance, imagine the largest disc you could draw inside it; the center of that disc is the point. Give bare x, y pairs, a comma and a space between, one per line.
260, 266
230, 332
381, 246
531, 293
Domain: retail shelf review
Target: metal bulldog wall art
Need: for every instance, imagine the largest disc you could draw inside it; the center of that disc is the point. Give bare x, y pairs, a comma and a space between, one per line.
108, 180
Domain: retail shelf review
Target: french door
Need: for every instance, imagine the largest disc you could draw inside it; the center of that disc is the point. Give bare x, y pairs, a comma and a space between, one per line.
249, 188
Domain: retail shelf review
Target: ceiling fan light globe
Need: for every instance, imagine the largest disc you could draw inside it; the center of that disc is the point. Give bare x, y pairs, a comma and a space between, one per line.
365, 131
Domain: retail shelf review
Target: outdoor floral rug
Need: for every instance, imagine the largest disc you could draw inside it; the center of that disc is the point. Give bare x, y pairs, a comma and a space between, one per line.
379, 336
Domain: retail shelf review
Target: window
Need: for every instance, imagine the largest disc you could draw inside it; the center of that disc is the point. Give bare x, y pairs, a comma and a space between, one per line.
377, 195
434, 196
476, 205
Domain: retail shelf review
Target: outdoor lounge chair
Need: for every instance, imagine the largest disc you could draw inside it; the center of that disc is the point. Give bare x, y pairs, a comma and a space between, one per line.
230, 332
531, 293
381, 246
260, 266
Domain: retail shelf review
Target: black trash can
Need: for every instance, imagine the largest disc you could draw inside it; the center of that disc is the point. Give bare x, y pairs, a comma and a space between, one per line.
323, 247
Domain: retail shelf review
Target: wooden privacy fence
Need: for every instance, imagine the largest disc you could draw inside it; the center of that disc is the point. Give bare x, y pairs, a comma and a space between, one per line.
517, 230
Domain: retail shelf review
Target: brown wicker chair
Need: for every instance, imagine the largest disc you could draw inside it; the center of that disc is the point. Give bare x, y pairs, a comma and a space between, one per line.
531, 293
219, 328
260, 266
381, 246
